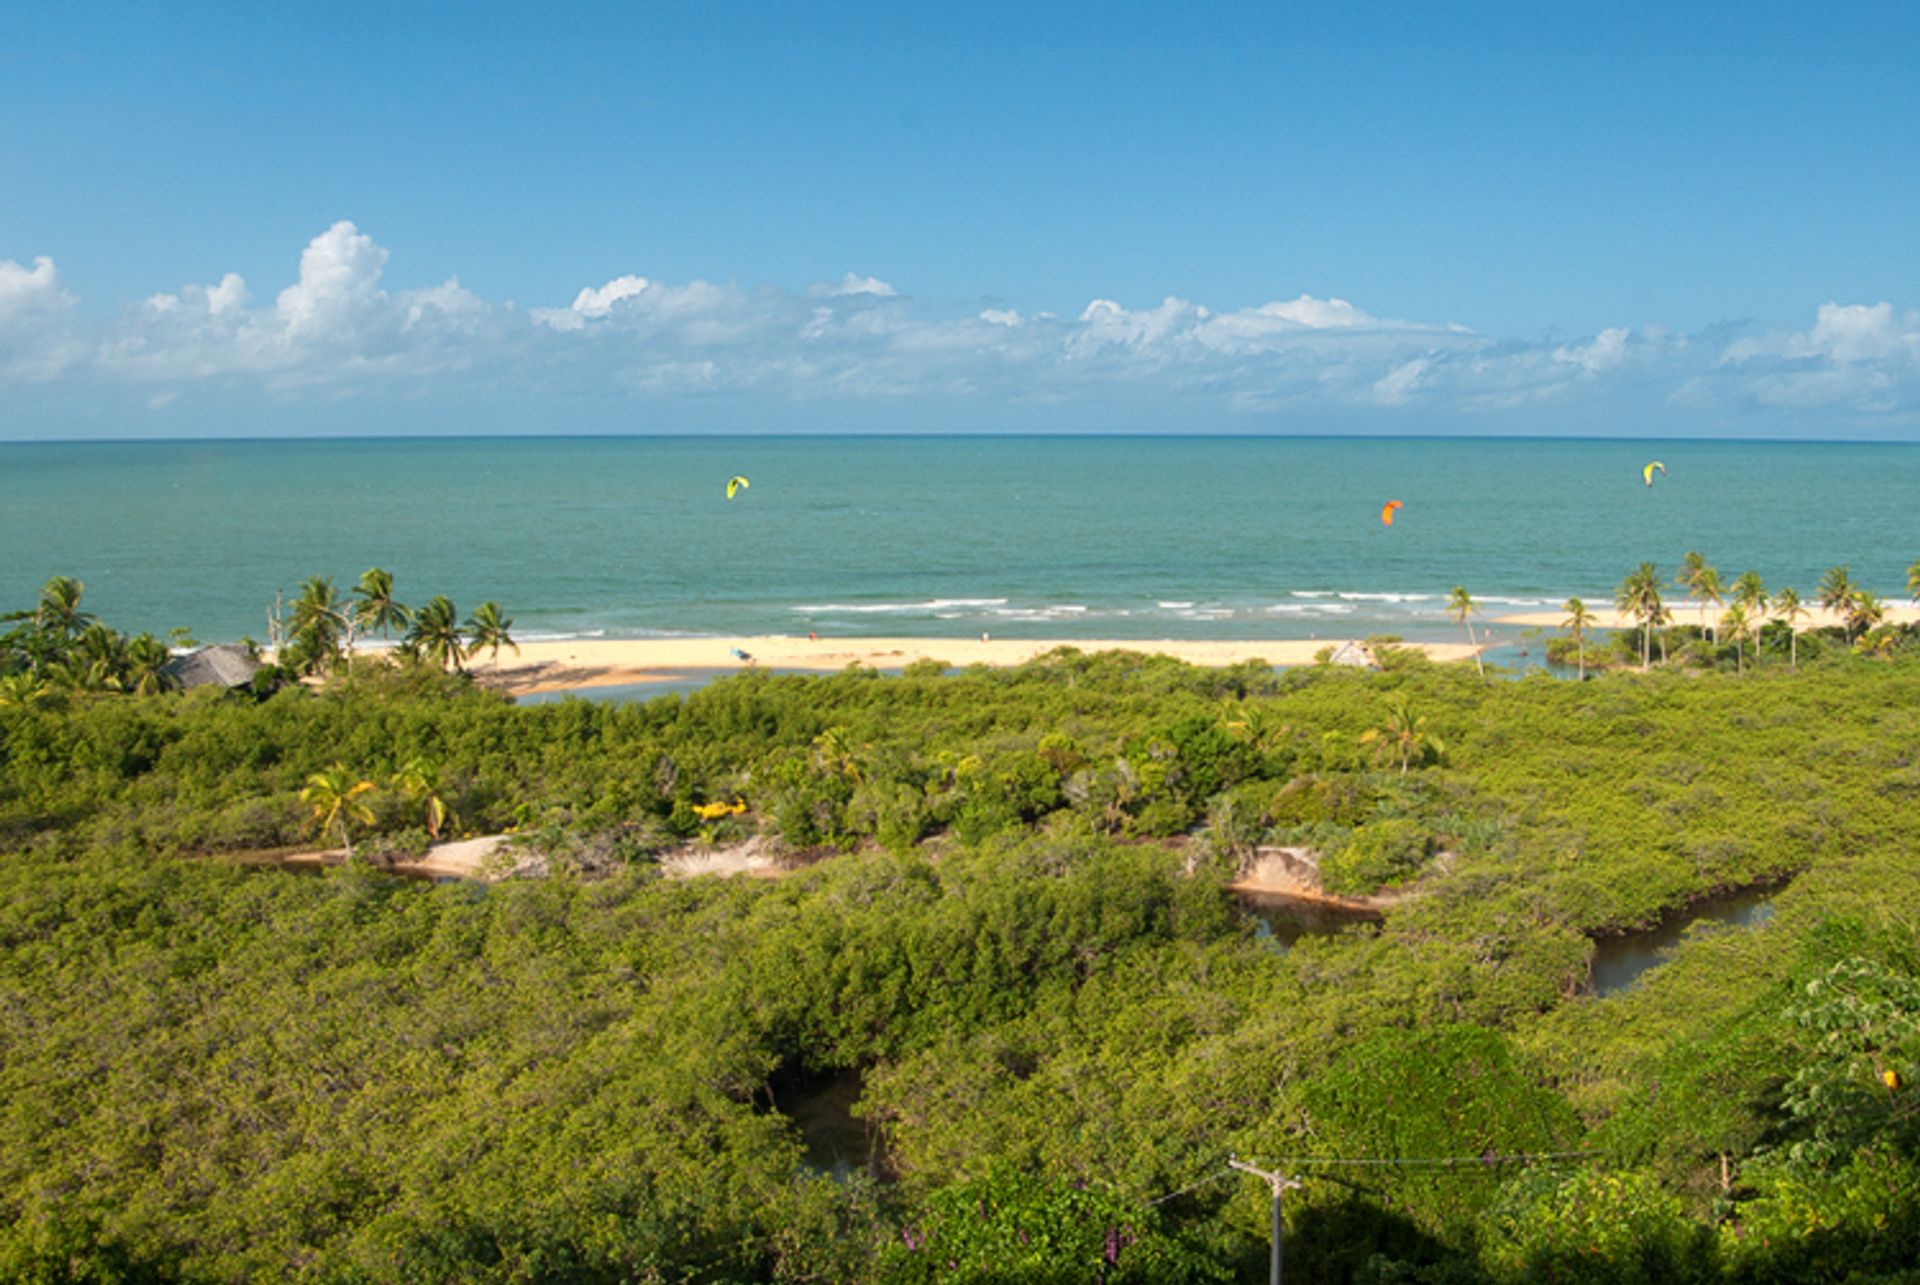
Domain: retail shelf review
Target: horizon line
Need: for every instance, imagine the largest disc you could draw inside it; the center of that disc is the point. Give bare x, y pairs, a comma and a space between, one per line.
962, 435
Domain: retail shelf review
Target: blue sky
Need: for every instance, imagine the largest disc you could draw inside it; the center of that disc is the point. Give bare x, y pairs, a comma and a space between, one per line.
1649, 219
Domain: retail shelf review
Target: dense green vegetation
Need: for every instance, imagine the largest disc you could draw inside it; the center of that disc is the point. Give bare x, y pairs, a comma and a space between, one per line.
1009, 915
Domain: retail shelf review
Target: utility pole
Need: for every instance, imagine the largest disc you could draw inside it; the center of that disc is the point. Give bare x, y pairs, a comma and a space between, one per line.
1279, 1183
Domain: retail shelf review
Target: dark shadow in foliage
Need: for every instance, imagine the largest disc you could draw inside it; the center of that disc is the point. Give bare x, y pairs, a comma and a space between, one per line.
1354, 1238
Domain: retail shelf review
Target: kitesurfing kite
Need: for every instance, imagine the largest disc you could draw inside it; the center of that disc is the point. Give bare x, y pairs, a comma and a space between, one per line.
1386, 513
735, 484
1646, 473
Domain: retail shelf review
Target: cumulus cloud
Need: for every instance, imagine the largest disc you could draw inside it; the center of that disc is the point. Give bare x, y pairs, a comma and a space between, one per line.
342, 325
336, 325
35, 312
1859, 357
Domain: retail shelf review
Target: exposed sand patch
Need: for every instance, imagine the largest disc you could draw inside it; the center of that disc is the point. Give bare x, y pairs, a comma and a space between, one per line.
602, 662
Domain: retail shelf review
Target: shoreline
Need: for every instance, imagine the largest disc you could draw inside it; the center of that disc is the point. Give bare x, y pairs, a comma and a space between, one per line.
543, 667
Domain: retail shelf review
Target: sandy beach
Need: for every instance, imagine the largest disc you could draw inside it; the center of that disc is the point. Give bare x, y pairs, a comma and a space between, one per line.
1685, 613
604, 662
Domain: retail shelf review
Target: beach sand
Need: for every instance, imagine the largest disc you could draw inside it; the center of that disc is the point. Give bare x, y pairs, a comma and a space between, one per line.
605, 662
1685, 613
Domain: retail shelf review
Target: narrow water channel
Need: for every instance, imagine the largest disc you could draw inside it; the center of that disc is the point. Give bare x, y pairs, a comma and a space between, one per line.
1619, 962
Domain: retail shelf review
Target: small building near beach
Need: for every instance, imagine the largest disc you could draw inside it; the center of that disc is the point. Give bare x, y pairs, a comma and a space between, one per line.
224, 665
1356, 654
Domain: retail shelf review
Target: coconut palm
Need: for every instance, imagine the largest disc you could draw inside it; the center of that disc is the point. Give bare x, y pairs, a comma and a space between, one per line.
435, 633
1404, 736
416, 780
1863, 612
335, 798
487, 629
376, 607
58, 611
1750, 595
1786, 605
1579, 620
143, 659
1639, 596
99, 655
24, 690
1836, 593
1737, 624
319, 620
1462, 607
1701, 582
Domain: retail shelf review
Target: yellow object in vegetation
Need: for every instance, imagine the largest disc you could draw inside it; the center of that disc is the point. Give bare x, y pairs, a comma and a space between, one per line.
714, 811
1892, 1078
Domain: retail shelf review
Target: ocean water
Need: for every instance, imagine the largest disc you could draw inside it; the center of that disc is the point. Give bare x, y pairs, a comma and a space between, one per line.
945, 536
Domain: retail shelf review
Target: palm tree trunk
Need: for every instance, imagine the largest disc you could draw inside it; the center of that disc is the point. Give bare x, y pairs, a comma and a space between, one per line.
344, 839
1472, 642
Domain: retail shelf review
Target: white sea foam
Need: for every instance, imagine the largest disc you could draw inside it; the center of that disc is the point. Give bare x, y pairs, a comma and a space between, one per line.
893, 608
1174, 606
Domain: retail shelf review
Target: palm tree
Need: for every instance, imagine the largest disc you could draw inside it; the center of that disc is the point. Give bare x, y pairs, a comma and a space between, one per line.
319, 618
1737, 625
1863, 612
1578, 621
1639, 596
99, 655
435, 633
1836, 593
1700, 581
1913, 582
1405, 735
416, 780
335, 799
1786, 605
376, 607
144, 658
24, 690
486, 629
58, 611
1462, 607
1750, 595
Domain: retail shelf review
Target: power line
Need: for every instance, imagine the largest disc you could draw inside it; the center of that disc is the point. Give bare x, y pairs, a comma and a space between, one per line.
1409, 1162
1192, 1186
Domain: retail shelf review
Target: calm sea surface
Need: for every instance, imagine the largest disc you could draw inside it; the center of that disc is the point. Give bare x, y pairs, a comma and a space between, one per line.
1070, 537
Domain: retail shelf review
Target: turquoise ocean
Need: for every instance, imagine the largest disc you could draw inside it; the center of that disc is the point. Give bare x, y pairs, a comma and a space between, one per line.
1074, 537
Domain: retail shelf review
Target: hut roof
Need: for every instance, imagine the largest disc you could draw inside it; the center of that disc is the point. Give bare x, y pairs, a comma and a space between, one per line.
1357, 654
221, 665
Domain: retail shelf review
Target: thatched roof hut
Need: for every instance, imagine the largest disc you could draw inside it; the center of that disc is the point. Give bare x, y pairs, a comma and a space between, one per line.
221, 665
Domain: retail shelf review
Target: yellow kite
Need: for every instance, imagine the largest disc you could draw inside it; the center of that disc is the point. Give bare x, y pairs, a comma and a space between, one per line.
1646, 473
735, 484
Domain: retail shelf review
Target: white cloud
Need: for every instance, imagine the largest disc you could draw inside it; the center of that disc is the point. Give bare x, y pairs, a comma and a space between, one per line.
343, 328
853, 285
1607, 350
1860, 357
36, 339
1397, 385
339, 285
